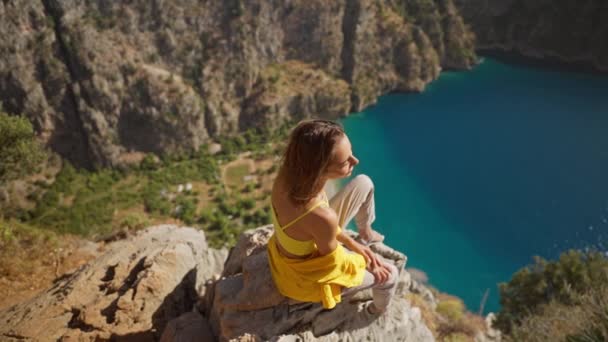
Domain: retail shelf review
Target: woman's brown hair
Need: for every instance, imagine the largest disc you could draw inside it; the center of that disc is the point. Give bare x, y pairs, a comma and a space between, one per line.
307, 156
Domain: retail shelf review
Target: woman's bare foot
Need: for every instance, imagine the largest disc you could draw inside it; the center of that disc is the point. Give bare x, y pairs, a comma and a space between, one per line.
372, 309
370, 236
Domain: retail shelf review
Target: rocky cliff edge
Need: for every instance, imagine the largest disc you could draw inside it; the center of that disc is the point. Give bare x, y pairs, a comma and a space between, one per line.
166, 279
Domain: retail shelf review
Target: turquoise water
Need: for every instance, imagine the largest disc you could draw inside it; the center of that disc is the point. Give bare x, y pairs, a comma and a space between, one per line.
487, 168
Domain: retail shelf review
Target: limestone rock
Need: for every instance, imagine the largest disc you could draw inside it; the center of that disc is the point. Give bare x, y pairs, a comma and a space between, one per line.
189, 327
400, 323
250, 242
424, 292
131, 291
245, 301
490, 334
105, 81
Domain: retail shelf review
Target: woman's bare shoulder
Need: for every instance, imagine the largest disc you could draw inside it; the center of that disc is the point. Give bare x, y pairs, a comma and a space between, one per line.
323, 221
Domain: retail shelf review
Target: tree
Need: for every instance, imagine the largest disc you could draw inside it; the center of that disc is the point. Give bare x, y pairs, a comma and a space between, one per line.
20, 152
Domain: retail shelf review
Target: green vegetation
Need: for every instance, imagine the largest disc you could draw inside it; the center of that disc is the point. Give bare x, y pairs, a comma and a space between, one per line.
183, 186
20, 153
134, 221
585, 322
81, 202
452, 309
538, 297
450, 320
22, 248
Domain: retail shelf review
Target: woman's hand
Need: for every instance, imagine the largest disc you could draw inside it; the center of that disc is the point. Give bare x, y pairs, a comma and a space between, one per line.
371, 260
374, 263
381, 274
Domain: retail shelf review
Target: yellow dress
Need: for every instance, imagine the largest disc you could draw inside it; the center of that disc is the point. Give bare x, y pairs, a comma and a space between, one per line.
316, 279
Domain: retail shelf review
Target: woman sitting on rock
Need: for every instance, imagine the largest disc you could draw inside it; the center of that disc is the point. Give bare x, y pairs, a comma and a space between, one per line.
307, 260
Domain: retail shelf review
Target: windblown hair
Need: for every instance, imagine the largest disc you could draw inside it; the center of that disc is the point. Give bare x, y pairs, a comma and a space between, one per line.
307, 157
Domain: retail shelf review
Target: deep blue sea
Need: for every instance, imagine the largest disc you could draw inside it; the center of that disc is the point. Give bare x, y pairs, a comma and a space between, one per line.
487, 168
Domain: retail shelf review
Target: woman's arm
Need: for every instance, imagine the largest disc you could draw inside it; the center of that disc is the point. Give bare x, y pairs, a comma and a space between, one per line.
324, 228
346, 240
374, 264
370, 257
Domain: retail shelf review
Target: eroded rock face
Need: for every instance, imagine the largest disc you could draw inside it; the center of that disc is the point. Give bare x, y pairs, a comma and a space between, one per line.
571, 31
99, 78
131, 291
165, 280
247, 305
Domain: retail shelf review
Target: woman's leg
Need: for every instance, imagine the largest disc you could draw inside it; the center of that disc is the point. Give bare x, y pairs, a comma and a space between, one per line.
356, 200
382, 293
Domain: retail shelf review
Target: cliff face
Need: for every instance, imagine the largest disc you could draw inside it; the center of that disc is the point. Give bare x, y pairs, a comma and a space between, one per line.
101, 79
571, 31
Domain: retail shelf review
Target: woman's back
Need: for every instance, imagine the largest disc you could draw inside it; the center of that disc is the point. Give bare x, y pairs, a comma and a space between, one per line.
300, 229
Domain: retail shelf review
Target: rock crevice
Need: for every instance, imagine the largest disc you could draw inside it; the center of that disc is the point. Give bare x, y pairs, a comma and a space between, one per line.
54, 14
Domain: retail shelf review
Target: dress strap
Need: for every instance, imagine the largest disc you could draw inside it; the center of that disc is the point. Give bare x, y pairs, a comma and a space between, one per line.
306, 213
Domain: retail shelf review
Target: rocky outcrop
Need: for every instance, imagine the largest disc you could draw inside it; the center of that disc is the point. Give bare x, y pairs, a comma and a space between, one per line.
245, 300
570, 31
164, 283
103, 81
130, 292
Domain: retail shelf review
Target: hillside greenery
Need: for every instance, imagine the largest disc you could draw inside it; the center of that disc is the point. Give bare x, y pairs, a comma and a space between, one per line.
20, 152
561, 300
188, 187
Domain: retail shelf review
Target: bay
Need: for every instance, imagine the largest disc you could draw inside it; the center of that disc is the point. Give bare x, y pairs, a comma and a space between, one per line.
487, 168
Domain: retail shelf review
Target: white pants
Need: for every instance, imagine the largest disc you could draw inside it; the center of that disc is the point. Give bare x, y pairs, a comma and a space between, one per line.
356, 200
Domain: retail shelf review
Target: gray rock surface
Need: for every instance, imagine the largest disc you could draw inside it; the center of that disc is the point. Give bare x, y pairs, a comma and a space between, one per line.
163, 283
131, 291
246, 300
490, 334
189, 327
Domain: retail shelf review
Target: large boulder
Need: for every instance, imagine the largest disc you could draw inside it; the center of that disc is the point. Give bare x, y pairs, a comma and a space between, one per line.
130, 292
247, 306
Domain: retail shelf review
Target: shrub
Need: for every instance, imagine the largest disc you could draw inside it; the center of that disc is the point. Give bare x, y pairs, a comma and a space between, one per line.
249, 187
134, 221
585, 322
258, 218
245, 203
205, 217
20, 152
154, 201
595, 327
561, 281
149, 163
452, 309
187, 210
